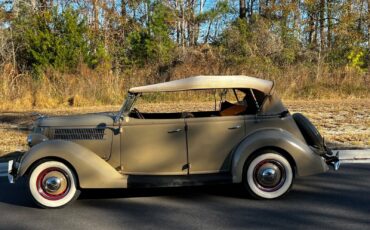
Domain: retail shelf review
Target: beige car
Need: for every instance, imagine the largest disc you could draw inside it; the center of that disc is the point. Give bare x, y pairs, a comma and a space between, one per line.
252, 140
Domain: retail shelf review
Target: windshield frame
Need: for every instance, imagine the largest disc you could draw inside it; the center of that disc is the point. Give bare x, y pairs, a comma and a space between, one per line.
126, 107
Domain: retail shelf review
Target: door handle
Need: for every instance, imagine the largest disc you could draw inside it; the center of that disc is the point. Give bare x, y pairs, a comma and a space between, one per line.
235, 127
175, 131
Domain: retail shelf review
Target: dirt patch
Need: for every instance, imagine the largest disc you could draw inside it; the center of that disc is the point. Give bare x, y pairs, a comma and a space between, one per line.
344, 123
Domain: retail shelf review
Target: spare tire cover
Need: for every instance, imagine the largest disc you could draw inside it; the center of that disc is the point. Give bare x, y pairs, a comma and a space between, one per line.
309, 131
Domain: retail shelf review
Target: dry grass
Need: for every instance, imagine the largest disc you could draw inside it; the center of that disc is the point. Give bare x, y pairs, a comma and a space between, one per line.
54, 89
342, 122
86, 87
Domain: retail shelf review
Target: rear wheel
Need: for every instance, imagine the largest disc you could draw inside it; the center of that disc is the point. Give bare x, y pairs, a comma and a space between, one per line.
268, 175
53, 184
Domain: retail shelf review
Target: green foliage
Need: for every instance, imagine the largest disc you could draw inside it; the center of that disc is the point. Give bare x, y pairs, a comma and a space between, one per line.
153, 43
152, 32
97, 55
356, 59
57, 40
221, 8
70, 44
234, 43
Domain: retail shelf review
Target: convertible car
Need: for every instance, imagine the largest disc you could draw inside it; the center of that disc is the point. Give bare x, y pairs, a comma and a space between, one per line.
249, 138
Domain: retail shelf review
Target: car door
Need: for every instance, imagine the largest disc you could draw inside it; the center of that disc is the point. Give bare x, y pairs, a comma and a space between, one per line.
154, 147
211, 140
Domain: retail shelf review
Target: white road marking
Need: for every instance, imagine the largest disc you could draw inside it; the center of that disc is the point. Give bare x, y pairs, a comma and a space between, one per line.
355, 156
355, 161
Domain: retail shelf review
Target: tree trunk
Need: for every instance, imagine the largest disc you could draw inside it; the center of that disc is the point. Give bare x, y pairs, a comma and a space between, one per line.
368, 34
284, 20
322, 24
311, 30
242, 9
368, 26
250, 14
182, 26
123, 19
43, 4
191, 23
329, 10
33, 4
123, 9
95, 15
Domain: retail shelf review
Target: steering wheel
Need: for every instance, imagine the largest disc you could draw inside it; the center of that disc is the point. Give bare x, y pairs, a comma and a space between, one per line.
138, 114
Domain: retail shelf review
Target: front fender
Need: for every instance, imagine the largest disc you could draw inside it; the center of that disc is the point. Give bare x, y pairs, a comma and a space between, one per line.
306, 161
92, 171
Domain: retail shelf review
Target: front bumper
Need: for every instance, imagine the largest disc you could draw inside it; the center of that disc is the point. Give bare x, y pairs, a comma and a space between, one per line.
13, 169
10, 171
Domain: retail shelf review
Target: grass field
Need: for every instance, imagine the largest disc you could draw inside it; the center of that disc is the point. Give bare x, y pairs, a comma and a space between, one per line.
344, 123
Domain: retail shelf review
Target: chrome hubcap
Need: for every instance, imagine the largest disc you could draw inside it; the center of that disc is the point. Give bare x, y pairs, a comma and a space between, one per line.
269, 175
52, 184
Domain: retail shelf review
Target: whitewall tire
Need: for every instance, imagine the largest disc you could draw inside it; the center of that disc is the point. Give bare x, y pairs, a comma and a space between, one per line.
52, 184
268, 175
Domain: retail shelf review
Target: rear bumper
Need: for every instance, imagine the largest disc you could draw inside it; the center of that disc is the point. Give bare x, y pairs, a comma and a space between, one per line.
331, 159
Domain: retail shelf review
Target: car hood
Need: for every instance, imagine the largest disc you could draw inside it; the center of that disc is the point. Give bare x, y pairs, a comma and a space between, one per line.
101, 119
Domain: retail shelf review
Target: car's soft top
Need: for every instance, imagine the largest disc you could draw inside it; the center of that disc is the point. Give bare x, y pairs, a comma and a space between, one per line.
208, 82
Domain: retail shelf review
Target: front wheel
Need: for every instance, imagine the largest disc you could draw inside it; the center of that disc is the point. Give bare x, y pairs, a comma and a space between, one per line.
269, 175
52, 184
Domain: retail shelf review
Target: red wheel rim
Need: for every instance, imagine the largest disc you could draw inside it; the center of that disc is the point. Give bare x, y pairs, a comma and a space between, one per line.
43, 191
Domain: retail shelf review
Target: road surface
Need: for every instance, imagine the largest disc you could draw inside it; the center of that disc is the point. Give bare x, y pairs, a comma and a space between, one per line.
335, 200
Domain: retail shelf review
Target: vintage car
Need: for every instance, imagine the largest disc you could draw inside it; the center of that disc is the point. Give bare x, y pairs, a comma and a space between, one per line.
253, 141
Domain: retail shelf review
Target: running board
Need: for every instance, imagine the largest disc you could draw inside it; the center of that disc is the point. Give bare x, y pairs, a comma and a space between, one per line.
138, 181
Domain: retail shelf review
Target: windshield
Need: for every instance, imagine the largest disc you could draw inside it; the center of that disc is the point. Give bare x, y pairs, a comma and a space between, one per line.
130, 100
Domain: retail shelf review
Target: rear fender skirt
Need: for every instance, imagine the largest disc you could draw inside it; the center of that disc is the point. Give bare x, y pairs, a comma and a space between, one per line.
306, 161
92, 171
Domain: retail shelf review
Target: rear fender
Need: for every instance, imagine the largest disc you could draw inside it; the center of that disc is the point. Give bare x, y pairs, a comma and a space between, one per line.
305, 160
92, 171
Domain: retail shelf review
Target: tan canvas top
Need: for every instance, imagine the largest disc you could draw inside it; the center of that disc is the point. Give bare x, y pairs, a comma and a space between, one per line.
207, 82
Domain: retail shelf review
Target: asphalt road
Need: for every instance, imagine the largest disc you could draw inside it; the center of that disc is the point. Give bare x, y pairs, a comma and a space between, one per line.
336, 200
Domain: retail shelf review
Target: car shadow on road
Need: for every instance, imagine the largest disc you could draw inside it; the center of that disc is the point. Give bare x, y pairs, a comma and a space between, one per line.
326, 200
15, 194
334, 188
234, 191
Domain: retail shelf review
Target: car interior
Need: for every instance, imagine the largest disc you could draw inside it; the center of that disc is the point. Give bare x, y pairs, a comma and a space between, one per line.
245, 102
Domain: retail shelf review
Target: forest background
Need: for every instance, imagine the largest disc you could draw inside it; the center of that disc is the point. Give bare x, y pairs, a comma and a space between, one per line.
57, 53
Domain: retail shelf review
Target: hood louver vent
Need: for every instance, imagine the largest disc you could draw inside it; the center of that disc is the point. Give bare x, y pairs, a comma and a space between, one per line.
78, 134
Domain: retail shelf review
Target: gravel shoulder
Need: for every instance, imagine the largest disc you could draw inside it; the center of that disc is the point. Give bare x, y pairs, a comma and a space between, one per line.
344, 123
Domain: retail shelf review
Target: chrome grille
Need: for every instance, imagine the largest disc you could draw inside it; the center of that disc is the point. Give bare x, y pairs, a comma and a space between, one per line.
78, 134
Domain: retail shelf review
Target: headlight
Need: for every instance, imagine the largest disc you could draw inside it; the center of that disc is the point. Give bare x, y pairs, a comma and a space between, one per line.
35, 138
29, 140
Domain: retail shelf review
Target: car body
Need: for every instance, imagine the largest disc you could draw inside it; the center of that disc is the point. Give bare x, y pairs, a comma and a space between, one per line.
254, 141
